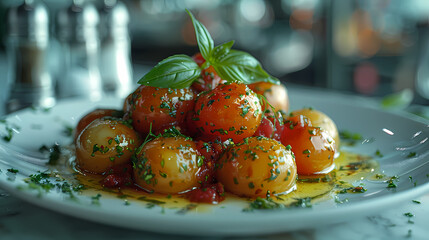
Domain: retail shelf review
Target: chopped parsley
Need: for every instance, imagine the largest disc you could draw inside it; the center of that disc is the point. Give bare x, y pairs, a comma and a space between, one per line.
68, 130
378, 153
95, 200
350, 137
45, 182
54, 153
391, 183
13, 170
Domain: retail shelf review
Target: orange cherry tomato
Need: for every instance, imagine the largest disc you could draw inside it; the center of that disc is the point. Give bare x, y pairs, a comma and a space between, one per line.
168, 165
275, 94
230, 111
319, 119
314, 149
160, 108
95, 114
255, 166
104, 144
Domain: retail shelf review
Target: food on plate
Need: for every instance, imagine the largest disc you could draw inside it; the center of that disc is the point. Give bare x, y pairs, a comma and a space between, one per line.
229, 111
320, 119
155, 109
95, 114
256, 166
204, 125
313, 147
276, 95
168, 165
208, 79
104, 144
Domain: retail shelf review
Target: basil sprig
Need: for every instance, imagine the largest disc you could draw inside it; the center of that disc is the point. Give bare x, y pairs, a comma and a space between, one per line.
180, 71
177, 71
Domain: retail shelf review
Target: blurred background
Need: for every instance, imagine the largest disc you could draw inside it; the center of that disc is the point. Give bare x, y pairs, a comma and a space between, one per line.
366, 47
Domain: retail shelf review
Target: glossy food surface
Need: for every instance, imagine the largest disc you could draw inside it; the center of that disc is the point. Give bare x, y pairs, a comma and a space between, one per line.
257, 166
159, 108
105, 143
168, 165
228, 111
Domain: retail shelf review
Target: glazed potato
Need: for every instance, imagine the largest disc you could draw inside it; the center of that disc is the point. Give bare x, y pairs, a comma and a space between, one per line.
168, 165
276, 95
95, 114
160, 108
313, 147
105, 143
255, 166
230, 111
319, 119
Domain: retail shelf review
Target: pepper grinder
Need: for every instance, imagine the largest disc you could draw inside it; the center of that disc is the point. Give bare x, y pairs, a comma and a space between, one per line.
78, 36
115, 57
29, 79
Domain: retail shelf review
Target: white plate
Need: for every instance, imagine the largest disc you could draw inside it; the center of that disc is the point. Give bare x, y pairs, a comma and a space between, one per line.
393, 135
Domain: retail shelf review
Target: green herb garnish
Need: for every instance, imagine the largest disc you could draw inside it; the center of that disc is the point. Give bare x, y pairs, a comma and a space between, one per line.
180, 71
54, 153
13, 170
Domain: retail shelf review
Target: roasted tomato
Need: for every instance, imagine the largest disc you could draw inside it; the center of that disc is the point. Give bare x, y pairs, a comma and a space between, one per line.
213, 193
255, 166
230, 111
276, 95
95, 114
209, 78
265, 129
168, 165
198, 58
319, 119
128, 106
105, 143
271, 126
314, 149
160, 108
119, 176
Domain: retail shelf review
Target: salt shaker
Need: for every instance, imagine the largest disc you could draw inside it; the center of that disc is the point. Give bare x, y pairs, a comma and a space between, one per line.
422, 74
29, 80
115, 51
77, 33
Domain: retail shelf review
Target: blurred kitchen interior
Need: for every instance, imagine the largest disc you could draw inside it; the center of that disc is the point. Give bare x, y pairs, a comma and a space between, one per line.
368, 47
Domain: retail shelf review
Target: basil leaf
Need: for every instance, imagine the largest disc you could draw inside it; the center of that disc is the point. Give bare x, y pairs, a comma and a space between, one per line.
204, 39
242, 67
177, 71
220, 52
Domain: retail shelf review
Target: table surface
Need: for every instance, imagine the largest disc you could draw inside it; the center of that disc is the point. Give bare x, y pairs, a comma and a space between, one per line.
21, 220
